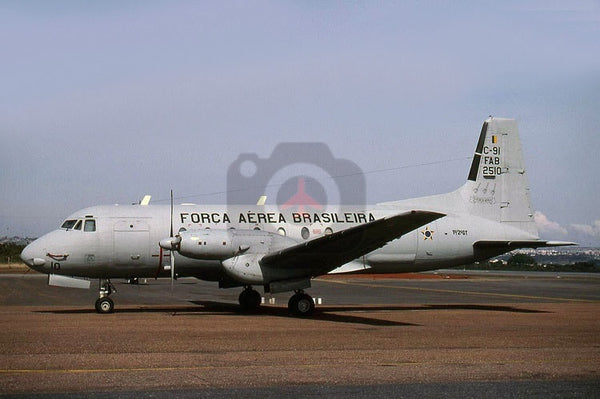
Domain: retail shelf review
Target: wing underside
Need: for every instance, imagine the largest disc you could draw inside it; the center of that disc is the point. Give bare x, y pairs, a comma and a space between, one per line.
326, 253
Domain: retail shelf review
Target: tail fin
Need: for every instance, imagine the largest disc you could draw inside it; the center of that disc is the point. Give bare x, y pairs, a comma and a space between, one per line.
497, 186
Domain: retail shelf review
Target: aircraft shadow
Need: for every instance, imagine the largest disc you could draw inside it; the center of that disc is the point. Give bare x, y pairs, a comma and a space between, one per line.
233, 309
321, 313
324, 313
492, 308
489, 308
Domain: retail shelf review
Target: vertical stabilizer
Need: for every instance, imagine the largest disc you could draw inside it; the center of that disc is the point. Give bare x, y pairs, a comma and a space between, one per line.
497, 186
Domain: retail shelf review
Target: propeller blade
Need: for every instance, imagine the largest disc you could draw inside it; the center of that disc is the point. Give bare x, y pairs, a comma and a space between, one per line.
172, 268
171, 231
172, 252
160, 256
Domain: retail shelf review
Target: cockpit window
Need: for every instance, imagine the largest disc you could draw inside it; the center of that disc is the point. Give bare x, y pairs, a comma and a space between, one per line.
90, 225
77, 225
68, 224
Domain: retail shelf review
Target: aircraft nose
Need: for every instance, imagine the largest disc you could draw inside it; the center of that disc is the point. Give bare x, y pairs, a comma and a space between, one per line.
31, 257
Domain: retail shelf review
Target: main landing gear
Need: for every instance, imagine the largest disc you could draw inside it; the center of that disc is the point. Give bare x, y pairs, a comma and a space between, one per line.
300, 304
104, 304
249, 299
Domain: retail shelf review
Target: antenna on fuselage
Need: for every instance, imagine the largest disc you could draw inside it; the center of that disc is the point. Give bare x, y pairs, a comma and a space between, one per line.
146, 200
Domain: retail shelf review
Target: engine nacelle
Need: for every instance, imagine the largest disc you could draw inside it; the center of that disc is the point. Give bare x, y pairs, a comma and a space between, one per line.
207, 244
239, 251
245, 268
220, 244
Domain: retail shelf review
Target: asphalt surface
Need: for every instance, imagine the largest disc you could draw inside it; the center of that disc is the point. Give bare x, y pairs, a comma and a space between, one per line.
456, 335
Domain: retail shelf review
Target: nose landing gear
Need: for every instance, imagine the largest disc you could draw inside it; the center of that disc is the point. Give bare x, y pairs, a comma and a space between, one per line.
104, 304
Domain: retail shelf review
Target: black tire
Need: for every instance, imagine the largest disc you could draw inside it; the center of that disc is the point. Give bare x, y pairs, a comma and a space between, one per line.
256, 299
105, 305
249, 300
293, 303
301, 305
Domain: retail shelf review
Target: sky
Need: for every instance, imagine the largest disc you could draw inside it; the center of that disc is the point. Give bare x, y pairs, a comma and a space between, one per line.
103, 102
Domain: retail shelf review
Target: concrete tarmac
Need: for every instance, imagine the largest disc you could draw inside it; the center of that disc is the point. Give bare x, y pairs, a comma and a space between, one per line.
450, 334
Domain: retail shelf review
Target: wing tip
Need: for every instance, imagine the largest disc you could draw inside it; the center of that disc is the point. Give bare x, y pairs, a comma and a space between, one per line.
560, 243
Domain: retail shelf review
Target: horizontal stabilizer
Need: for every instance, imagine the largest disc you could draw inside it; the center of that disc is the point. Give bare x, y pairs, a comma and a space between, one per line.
559, 243
328, 252
520, 244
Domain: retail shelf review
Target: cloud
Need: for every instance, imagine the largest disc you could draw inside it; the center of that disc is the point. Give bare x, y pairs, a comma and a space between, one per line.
590, 230
545, 225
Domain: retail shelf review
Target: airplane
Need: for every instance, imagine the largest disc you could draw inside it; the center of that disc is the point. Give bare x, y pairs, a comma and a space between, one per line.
282, 250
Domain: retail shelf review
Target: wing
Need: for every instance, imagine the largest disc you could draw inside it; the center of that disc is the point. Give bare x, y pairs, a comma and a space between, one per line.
326, 253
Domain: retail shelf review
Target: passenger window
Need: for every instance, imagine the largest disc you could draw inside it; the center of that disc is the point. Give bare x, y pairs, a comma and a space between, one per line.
90, 225
77, 225
305, 233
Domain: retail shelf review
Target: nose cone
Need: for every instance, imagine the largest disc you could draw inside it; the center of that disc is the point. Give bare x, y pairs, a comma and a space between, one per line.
32, 257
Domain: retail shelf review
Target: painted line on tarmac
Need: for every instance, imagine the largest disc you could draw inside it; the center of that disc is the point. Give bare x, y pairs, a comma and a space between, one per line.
107, 370
146, 369
295, 365
445, 291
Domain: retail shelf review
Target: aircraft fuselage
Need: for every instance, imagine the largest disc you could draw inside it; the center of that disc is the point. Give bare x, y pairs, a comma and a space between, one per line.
125, 241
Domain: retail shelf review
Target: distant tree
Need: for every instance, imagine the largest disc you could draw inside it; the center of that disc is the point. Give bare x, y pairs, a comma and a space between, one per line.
11, 251
521, 259
583, 267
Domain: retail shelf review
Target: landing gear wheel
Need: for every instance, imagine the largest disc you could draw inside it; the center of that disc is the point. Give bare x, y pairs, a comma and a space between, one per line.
293, 303
249, 300
105, 305
301, 304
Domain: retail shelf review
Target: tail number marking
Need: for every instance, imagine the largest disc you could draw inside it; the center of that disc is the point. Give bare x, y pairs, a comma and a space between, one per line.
491, 162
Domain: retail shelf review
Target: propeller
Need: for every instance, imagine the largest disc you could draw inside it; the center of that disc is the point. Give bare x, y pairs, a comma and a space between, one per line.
172, 244
172, 257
